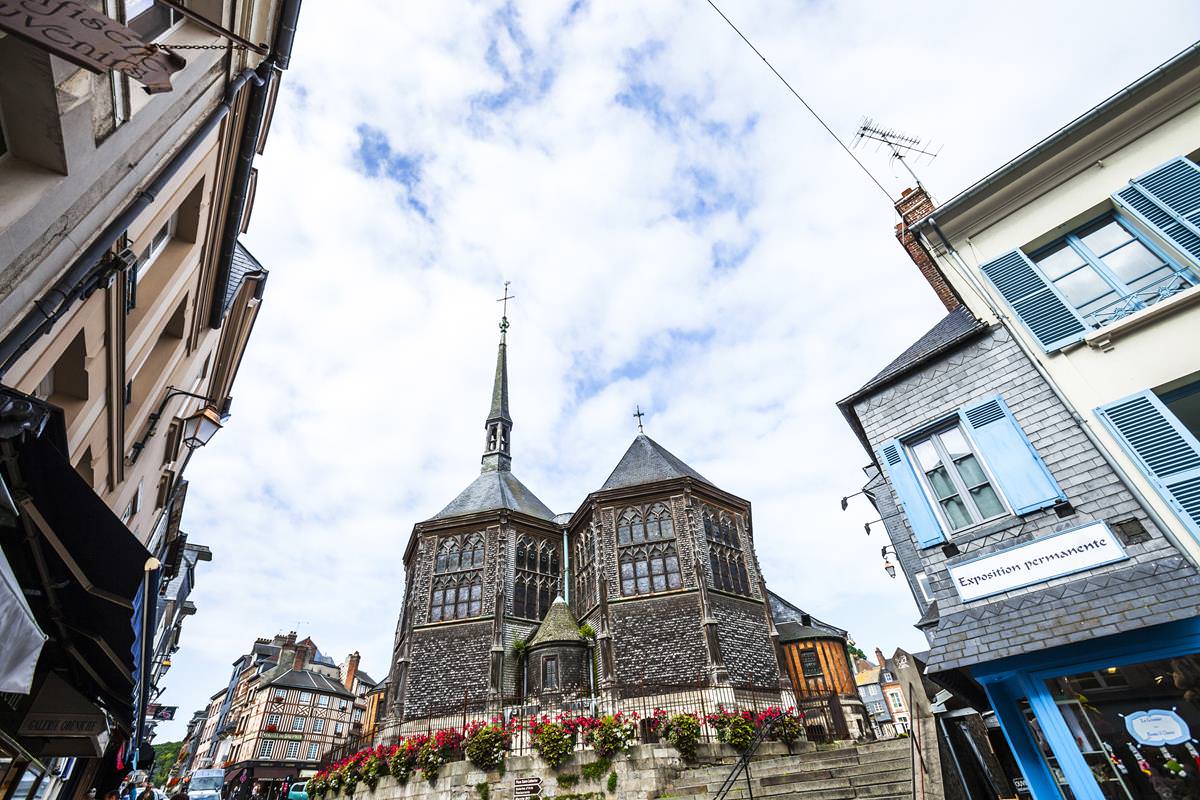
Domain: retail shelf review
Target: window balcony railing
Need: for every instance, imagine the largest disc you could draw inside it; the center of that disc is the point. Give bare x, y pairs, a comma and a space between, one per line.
1148, 295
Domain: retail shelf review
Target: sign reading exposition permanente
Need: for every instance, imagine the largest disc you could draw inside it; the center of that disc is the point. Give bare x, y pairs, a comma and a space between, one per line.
71, 30
1092, 545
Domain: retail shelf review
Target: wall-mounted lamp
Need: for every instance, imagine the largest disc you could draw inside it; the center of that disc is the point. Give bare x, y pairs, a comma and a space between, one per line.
846, 499
888, 566
197, 428
867, 525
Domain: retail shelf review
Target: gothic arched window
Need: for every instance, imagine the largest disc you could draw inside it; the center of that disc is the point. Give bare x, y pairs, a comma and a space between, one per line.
457, 591
535, 582
584, 572
647, 559
726, 560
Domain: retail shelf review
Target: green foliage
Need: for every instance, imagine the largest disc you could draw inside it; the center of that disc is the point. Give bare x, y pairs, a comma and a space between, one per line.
486, 746
611, 734
519, 649
553, 743
787, 729
595, 770
483, 790
430, 759
737, 732
567, 779
683, 732
587, 631
856, 651
165, 756
612, 782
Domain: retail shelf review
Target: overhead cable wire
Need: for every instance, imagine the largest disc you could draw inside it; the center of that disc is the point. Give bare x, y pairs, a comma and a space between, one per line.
816, 116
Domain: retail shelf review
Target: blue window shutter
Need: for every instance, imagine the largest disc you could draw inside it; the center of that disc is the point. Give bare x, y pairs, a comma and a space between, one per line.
1166, 452
921, 519
1168, 199
1036, 302
1020, 471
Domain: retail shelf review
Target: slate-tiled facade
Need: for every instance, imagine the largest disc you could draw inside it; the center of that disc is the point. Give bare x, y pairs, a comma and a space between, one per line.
1156, 584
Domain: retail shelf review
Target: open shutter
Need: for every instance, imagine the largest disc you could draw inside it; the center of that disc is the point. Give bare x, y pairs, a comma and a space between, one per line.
1168, 199
1020, 471
916, 506
1166, 452
1035, 301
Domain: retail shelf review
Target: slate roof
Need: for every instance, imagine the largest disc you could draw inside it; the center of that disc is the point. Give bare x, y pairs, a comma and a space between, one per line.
309, 681
494, 490
241, 265
954, 327
365, 678
793, 623
647, 461
558, 626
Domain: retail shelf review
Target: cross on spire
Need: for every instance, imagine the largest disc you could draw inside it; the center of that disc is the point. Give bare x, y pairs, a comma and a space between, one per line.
504, 309
638, 413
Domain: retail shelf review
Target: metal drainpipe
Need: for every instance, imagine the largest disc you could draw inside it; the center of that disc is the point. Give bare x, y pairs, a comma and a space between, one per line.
82, 276
966, 274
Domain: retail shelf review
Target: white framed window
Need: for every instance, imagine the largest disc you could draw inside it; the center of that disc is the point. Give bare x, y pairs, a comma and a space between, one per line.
895, 698
338, 729
265, 749
318, 725
312, 751
955, 478
281, 694
149, 19
342, 704
145, 260
925, 586
358, 715
297, 723
323, 700
305, 697
274, 719
293, 750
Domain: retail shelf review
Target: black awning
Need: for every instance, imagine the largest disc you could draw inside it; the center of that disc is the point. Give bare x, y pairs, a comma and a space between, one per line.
83, 565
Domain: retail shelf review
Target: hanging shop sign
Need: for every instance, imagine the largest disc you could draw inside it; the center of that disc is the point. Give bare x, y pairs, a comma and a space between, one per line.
1157, 727
71, 30
1092, 545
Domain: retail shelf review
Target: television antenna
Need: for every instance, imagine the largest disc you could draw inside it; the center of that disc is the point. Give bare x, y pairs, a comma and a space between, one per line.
900, 144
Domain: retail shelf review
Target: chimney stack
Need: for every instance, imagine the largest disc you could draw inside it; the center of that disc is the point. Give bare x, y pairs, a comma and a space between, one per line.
351, 670
879, 655
913, 205
301, 657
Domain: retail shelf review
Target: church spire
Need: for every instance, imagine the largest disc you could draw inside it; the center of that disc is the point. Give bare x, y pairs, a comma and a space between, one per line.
497, 457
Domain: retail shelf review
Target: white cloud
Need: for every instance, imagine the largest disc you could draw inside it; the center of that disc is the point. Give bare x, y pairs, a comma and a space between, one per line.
360, 405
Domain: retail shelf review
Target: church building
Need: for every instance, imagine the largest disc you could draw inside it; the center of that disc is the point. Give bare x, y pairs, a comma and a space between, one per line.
657, 565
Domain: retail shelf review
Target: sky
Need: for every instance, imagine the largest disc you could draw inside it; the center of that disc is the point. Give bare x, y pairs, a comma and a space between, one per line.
679, 233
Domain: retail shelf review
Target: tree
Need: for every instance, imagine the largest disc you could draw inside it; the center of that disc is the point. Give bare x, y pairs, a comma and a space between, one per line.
165, 756
856, 651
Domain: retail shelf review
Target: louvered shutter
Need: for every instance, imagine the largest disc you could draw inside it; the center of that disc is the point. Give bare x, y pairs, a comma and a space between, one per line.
1023, 477
1035, 301
1167, 453
921, 519
1168, 199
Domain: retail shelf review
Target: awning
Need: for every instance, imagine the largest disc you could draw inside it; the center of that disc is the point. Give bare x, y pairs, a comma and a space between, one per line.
19, 631
82, 564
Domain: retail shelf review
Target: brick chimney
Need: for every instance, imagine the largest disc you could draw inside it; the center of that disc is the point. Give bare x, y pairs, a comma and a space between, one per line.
913, 205
351, 670
879, 656
301, 657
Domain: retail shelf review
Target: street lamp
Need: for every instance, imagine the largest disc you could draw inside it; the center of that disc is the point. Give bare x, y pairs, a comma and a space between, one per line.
197, 429
888, 566
200, 427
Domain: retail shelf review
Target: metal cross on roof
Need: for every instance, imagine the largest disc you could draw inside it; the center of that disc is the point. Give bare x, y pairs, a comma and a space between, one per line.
638, 413
504, 310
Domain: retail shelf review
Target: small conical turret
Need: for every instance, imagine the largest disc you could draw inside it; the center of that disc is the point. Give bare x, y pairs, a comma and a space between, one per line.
497, 455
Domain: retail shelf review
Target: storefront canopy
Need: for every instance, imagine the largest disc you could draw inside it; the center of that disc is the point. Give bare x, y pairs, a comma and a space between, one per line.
80, 562
19, 631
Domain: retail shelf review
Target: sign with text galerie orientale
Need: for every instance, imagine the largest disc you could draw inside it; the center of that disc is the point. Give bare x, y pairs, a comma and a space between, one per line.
1091, 545
70, 29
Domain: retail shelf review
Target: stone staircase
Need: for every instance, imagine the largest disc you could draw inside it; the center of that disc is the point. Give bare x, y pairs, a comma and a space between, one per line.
874, 771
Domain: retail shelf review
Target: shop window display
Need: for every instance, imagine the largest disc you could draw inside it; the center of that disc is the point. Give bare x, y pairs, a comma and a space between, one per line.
1134, 726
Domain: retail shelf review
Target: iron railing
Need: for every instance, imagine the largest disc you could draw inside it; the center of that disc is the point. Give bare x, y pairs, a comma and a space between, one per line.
821, 713
1156, 292
743, 763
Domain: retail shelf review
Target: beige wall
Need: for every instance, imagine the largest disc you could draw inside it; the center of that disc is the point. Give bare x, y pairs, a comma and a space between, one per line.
1150, 349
